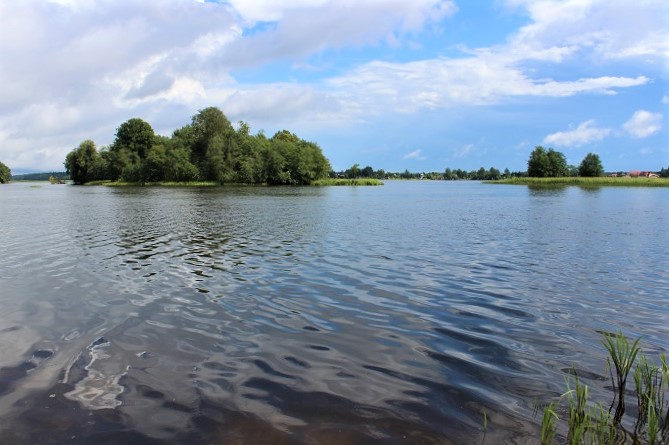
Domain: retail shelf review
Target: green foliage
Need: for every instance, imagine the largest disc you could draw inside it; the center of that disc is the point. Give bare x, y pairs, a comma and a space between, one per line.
623, 355
209, 149
80, 162
135, 136
548, 424
547, 163
591, 166
5, 174
594, 424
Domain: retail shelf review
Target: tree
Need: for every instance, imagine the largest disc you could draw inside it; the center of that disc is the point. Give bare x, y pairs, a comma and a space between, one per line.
367, 172
557, 164
546, 163
133, 140
493, 174
353, 172
212, 135
80, 160
591, 166
136, 136
5, 174
537, 164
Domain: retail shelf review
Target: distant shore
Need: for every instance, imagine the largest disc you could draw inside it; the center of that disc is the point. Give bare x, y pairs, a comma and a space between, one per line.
318, 183
603, 181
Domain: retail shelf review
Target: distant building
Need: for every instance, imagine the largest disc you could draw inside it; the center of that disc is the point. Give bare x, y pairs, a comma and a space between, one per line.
637, 173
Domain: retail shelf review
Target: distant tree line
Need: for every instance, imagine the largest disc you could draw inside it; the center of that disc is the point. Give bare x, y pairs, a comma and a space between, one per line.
543, 163
40, 176
5, 174
208, 149
449, 174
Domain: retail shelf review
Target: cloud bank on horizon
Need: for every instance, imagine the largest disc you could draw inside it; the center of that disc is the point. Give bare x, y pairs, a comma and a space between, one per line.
420, 85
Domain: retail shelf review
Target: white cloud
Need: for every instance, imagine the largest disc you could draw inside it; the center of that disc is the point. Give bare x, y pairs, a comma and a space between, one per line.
439, 83
665, 100
606, 29
643, 124
307, 27
585, 133
416, 154
79, 68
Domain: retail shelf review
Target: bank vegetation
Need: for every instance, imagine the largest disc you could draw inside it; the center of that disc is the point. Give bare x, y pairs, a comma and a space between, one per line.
208, 149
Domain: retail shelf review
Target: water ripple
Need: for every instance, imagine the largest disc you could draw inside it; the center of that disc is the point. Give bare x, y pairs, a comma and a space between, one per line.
380, 315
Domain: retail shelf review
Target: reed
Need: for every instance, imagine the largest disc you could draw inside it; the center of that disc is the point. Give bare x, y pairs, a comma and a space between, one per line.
603, 181
623, 355
592, 424
344, 181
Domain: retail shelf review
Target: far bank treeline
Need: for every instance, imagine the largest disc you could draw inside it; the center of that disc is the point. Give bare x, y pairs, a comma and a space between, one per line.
208, 149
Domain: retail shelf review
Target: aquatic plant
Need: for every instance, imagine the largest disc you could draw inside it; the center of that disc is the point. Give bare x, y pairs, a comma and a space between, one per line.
593, 424
346, 181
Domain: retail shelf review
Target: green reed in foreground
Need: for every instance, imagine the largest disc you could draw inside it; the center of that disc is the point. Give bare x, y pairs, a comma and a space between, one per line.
592, 424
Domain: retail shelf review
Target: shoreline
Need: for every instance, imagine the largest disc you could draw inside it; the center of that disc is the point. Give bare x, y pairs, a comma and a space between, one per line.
603, 181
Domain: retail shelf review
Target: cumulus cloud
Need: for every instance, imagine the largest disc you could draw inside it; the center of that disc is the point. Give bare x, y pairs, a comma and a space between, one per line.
611, 29
643, 124
585, 133
444, 82
307, 26
416, 154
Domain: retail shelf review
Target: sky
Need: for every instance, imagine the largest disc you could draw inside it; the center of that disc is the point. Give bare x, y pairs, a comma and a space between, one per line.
421, 85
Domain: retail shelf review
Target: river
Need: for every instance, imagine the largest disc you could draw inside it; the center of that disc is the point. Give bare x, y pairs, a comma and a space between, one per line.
418, 312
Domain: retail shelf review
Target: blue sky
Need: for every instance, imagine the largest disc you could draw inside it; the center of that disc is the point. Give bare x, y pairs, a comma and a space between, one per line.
420, 85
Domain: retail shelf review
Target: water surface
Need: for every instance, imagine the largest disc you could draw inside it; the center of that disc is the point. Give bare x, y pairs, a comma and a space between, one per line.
393, 314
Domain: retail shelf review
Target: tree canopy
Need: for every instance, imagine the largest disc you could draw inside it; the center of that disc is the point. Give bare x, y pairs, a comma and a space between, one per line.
208, 149
5, 174
591, 166
547, 163
79, 163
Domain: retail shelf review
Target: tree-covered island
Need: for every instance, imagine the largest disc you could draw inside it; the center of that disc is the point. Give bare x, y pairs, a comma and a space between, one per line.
208, 149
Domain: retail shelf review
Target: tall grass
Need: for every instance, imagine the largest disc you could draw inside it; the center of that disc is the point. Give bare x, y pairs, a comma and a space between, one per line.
344, 181
603, 181
592, 424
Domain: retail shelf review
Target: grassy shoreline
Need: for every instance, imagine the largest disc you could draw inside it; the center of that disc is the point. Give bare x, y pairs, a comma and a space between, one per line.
603, 181
317, 183
342, 181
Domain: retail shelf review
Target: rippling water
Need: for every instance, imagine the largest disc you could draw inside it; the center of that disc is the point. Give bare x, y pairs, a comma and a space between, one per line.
395, 314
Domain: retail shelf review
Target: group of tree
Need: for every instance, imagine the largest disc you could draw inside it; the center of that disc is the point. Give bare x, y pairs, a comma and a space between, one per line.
482, 174
208, 149
5, 174
548, 163
40, 176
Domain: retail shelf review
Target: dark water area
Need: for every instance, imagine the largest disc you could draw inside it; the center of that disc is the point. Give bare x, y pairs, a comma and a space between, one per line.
370, 315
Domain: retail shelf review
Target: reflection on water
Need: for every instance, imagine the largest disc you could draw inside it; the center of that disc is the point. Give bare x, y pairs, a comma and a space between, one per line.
396, 314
